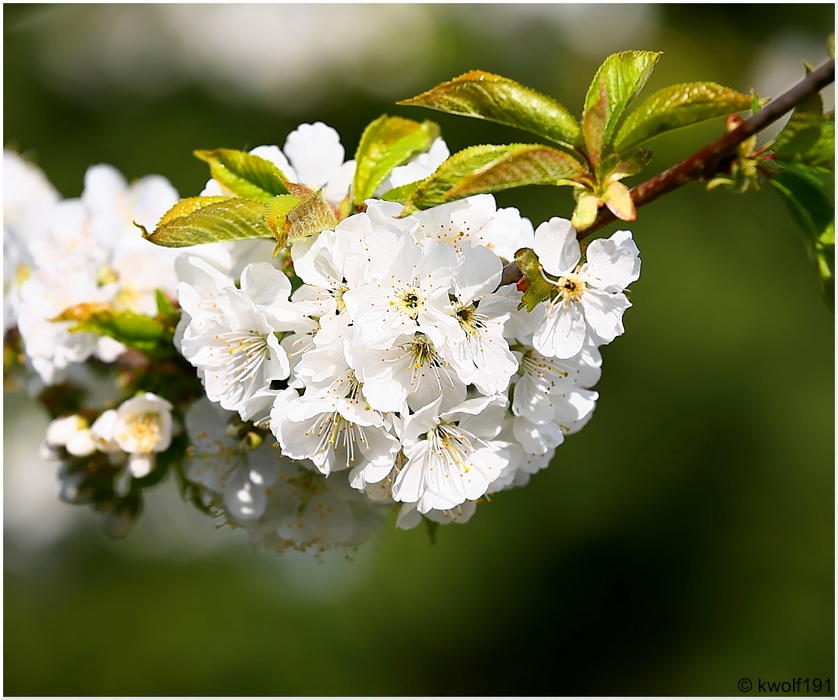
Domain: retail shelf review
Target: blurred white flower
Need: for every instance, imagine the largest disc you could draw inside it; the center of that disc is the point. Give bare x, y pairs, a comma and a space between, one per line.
143, 427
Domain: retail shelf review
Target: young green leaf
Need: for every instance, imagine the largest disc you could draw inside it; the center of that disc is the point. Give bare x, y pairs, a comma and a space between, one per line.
807, 127
616, 167
618, 199
677, 106
244, 174
495, 98
187, 206
809, 193
618, 80
586, 209
401, 193
492, 168
823, 152
385, 144
309, 218
537, 288
593, 128
211, 219
132, 330
277, 217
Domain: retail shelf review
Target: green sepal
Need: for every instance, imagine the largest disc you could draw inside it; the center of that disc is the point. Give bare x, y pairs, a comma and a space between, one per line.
537, 289
133, 330
615, 84
198, 220
492, 97
809, 193
489, 168
675, 107
385, 144
244, 174
756, 102
309, 218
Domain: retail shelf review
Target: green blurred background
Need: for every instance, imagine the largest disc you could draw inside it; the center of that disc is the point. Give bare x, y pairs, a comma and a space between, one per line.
684, 540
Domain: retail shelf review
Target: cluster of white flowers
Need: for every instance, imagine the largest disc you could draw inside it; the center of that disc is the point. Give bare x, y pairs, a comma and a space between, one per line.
133, 433
62, 252
391, 369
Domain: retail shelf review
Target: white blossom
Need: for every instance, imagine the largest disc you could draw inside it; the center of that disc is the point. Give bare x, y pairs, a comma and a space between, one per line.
143, 427
410, 374
408, 286
451, 457
73, 434
334, 426
590, 301
477, 348
282, 504
312, 156
28, 198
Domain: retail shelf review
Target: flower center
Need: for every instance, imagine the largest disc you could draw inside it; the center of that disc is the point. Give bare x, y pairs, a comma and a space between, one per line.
470, 320
145, 430
411, 300
340, 306
571, 287
422, 351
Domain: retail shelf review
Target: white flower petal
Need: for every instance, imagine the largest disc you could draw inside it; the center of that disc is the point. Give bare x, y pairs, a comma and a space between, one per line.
556, 246
604, 313
563, 332
315, 152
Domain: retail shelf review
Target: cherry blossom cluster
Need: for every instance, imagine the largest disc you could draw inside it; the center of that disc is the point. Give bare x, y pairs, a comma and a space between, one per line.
374, 367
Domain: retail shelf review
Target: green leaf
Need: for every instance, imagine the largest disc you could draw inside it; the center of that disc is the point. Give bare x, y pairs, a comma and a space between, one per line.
200, 220
187, 206
593, 128
675, 107
277, 217
244, 174
401, 194
823, 152
309, 218
618, 80
809, 136
495, 98
387, 143
131, 329
537, 288
614, 168
492, 168
164, 306
809, 193
586, 210
618, 199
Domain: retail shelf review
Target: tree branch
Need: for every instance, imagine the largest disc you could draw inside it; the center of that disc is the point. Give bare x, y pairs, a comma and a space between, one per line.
706, 163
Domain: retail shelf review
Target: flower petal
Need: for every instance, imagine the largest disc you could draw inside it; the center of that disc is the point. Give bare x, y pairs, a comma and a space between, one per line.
556, 246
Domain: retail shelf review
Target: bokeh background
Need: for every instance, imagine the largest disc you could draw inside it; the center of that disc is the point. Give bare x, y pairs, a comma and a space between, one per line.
684, 540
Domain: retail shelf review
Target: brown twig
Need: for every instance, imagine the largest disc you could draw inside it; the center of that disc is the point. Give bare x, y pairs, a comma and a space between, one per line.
705, 163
